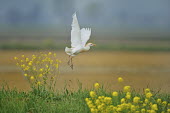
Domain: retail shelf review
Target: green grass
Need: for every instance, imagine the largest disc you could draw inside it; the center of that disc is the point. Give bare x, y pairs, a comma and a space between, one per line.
65, 101
13, 101
59, 46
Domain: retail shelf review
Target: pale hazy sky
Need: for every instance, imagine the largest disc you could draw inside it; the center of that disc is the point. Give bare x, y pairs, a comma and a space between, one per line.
113, 15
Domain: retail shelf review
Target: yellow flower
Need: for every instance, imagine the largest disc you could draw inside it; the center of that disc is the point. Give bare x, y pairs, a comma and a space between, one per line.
115, 94
128, 95
101, 97
26, 68
32, 77
169, 105
97, 85
38, 83
143, 110
146, 100
133, 108
120, 79
108, 100
25, 74
41, 69
147, 90
58, 61
15, 58
164, 103
33, 57
148, 95
91, 105
86, 99
30, 63
89, 102
100, 107
136, 99
23, 56
93, 110
54, 54
97, 101
154, 107
27, 59
49, 53
168, 110
23, 65
119, 109
46, 66
110, 108
40, 75
144, 104
159, 100
56, 66
127, 88
122, 100
92, 94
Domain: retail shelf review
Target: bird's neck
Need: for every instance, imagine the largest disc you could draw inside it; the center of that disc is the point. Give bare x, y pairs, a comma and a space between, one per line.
87, 47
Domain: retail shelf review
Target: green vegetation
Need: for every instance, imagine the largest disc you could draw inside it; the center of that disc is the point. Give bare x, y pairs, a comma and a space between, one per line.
53, 46
65, 101
29, 46
13, 101
127, 101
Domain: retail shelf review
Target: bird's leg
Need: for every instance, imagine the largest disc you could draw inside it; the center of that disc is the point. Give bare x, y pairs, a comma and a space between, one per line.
69, 60
71, 63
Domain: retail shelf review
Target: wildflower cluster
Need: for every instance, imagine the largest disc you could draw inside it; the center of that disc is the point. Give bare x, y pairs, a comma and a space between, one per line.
40, 70
126, 101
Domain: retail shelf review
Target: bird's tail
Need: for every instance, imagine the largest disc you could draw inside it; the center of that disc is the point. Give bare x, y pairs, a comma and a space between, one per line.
68, 50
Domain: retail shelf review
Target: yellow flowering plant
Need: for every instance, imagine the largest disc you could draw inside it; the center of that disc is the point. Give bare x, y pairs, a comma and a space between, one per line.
126, 101
120, 79
96, 86
40, 70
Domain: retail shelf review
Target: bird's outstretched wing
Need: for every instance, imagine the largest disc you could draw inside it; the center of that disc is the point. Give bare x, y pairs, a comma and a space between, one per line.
75, 32
85, 35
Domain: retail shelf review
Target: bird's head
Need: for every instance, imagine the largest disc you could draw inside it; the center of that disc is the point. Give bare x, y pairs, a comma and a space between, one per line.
90, 44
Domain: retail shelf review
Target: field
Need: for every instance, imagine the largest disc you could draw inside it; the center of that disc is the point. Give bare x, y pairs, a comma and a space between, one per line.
140, 69
75, 90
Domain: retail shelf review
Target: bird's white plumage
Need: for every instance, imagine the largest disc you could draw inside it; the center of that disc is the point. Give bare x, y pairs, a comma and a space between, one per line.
75, 32
79, 38
85, 35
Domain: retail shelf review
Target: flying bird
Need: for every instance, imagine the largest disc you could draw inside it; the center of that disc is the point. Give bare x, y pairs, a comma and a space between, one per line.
79, 38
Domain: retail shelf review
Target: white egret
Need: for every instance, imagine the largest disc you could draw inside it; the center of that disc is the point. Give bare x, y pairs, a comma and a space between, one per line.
79, 38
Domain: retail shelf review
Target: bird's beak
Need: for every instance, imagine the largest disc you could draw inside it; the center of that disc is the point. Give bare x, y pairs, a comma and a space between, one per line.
94, 44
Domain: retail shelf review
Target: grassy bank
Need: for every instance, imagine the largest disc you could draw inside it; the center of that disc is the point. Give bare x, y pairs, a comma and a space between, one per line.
13, 101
